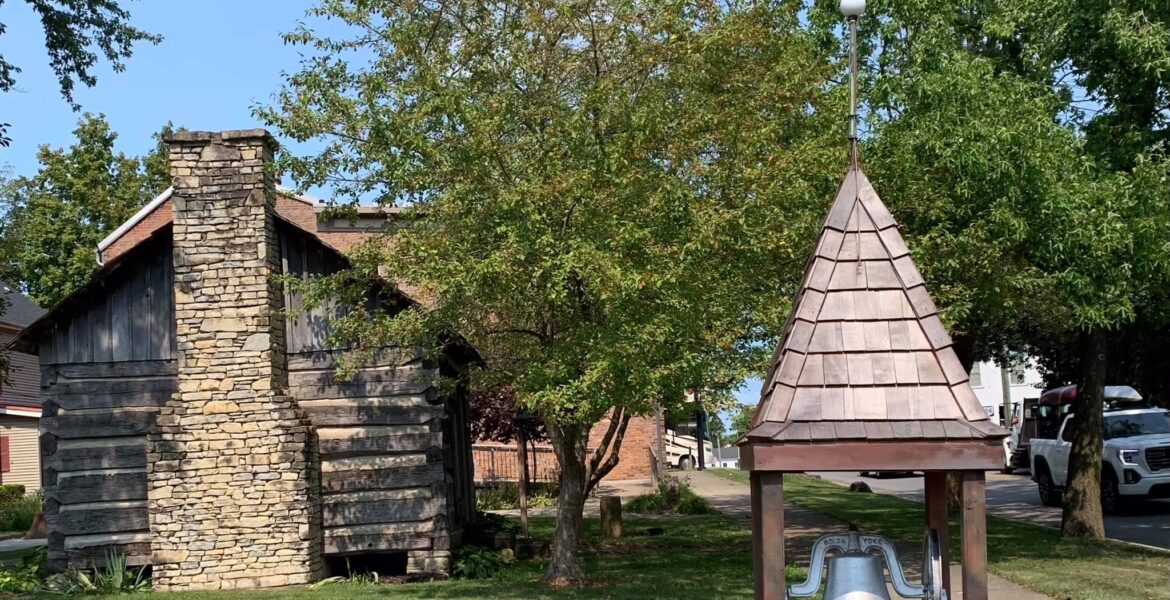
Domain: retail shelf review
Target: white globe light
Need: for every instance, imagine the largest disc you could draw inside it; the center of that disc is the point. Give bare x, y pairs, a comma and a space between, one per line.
852, 8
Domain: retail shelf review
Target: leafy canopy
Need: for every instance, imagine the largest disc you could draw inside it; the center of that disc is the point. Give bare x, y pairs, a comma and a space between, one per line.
612, 201
51, 222
75, 32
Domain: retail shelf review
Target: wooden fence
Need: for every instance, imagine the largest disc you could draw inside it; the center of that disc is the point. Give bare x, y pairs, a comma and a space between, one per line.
496, 463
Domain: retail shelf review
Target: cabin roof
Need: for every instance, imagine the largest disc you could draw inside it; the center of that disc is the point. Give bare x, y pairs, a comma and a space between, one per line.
20, 310
27, 340
158, 241
311, 204
864, 355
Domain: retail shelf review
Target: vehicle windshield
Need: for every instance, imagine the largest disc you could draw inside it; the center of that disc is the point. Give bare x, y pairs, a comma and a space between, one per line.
1123, 426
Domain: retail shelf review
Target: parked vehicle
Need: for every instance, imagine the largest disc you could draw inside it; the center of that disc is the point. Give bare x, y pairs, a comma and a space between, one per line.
1023, 429
1136, 457
682, 451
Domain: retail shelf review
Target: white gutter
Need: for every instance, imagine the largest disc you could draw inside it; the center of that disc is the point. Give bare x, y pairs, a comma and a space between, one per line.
131, 222
14, 411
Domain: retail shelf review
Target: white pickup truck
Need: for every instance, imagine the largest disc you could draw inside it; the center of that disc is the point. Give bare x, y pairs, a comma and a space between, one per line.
1136, 458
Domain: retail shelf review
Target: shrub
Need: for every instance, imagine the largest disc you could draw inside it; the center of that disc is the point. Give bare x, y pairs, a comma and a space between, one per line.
690, 504
476, 562
26, 576
672, 496
18, 514
648, 503
506, 496
10, 492
488, 523
114, 577
362, 579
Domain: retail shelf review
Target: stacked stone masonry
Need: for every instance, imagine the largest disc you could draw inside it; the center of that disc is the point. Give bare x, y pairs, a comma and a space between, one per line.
232, 466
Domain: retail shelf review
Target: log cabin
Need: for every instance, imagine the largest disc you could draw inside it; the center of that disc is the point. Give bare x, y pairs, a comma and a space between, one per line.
193, 421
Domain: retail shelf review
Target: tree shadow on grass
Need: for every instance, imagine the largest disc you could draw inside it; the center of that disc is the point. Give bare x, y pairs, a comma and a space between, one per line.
1035, 556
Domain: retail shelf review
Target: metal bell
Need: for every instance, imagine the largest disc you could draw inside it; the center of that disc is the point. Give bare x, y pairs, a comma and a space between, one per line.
855, 572
856, 577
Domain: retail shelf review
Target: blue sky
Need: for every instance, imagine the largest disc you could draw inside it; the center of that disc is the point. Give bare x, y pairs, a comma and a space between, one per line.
219, 58
749, 393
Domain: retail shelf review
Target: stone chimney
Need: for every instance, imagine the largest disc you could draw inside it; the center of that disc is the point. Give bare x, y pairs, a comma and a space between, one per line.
232, 468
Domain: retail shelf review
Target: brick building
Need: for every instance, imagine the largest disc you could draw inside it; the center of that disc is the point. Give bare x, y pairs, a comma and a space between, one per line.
497, 462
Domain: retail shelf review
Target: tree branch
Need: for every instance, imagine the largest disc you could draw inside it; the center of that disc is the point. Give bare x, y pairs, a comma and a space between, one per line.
613, 442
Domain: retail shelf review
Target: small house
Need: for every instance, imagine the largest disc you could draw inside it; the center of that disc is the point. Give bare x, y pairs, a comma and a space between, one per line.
727, 458
20, 397
192, 419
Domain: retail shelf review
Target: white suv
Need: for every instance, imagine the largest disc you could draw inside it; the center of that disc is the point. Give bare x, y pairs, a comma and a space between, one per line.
1136, 455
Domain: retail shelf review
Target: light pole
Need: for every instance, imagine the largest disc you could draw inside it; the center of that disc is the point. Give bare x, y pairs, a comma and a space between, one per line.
852, 9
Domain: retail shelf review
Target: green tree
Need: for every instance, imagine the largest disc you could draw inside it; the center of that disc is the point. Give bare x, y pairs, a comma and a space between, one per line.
1027, 232
612, 202
716, 428
741, 420
1119, 52
1107, 248
75, 32
52, 221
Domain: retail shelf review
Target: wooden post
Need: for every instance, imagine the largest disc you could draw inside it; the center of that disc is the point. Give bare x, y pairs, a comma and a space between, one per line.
611, 517
936, 518
974, 487
768, 534
522, 483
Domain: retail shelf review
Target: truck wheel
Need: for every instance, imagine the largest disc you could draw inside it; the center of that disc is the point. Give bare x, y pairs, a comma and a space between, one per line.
1111, 501
684, 463
1044, 485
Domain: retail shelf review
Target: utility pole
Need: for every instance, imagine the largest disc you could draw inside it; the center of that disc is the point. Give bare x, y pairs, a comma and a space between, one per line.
700, 429
1006, 383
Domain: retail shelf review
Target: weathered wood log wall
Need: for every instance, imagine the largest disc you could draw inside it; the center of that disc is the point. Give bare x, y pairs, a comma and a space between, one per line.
105, 370
396, 471
395, 454
381, 437
130, 318
93, 449
306, 330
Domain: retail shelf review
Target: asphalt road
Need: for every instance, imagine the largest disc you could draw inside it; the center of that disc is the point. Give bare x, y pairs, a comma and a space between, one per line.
1014, 497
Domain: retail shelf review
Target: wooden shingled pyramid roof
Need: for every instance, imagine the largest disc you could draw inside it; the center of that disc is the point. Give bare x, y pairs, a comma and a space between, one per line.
864, 355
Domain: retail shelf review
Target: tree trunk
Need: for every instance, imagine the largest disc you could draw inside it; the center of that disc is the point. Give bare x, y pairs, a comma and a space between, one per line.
1082, 516
964, 346
954, 489
568, 442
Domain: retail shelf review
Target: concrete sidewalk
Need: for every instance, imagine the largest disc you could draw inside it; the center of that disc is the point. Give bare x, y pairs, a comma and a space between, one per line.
12, 549
802, 527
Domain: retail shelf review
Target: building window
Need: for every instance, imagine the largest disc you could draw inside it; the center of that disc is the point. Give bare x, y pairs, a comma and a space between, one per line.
976, 375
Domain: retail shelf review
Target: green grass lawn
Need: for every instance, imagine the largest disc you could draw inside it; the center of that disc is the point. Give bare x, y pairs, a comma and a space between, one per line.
1035, 557
699, 557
